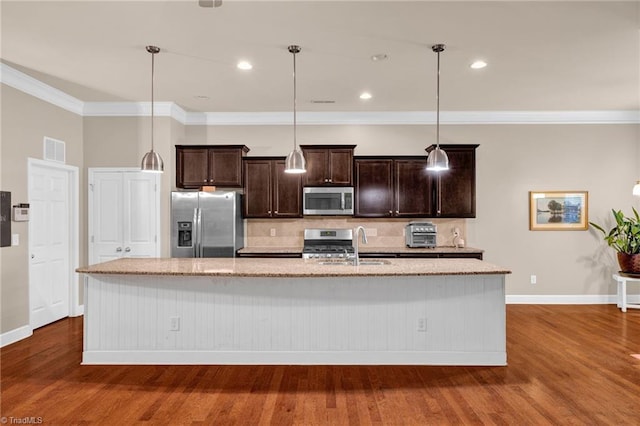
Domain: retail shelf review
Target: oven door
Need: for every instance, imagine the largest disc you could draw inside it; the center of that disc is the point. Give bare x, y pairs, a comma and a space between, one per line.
327, 201
422, 239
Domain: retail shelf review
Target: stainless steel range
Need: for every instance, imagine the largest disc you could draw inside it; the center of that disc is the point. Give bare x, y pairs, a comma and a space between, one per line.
327, 243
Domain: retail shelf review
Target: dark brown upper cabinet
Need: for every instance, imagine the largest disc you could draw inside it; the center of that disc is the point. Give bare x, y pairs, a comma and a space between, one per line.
456, 188
269, 192
328, 165
392, 187
204, 165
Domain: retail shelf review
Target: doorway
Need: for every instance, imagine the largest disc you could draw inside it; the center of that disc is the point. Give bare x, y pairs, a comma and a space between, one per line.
53, 242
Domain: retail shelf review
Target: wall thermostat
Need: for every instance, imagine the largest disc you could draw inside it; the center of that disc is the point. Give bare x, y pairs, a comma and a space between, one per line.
21, 212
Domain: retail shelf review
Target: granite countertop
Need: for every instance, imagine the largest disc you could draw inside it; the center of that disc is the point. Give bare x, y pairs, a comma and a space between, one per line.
365, 248
255, 267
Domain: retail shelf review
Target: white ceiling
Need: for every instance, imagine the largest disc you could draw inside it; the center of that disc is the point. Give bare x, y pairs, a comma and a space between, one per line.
561, 55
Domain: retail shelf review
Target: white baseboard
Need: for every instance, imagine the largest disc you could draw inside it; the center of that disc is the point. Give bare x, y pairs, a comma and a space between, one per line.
15, 335
567, 299
293, 358
77, 311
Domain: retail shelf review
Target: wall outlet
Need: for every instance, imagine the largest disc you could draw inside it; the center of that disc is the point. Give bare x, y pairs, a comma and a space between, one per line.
422, 324
534, 279
174, 324
272, 232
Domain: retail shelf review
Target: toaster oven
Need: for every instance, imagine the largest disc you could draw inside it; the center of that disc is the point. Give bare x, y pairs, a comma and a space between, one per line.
420, 234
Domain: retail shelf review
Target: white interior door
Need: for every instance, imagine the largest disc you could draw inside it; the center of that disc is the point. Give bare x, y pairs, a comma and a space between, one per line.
124, 211
141, 214
49, 244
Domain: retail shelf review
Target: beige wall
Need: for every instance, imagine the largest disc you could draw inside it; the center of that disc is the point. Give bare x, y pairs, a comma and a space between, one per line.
25, 122
511, 160
122, 142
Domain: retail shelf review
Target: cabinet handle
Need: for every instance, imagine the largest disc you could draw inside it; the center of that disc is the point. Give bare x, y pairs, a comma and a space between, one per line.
330, 180
397, 211
128, 249
205, 181
119, 249
390, 211
326, 180
276, 212
269, 211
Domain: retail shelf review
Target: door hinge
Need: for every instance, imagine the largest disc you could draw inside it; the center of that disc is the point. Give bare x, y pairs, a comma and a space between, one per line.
91, 186
92, 238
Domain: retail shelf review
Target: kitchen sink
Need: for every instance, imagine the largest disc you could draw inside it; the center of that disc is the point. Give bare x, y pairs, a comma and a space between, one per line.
350, 262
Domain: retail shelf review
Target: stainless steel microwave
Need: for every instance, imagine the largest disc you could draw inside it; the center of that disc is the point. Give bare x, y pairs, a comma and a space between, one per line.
327, 200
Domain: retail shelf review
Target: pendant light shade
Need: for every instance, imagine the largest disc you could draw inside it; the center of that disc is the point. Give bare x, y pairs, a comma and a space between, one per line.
438, 159
295, 160
152, 162
636, 189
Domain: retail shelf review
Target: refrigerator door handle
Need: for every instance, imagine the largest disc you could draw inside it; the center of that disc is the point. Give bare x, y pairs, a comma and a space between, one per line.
194, 232
200, 251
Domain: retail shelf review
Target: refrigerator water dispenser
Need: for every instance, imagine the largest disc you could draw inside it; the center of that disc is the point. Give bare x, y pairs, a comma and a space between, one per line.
184, 234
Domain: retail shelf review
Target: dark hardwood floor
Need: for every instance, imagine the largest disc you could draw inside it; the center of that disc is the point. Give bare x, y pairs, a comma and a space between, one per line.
567, 365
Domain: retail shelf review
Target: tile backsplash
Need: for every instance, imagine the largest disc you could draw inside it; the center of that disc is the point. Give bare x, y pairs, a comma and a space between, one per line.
380, 232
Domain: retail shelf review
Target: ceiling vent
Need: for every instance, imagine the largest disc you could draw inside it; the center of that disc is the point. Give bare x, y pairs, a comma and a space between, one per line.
54, 150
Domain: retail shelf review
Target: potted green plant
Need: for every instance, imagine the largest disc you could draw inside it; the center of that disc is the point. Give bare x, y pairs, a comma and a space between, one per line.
624, 237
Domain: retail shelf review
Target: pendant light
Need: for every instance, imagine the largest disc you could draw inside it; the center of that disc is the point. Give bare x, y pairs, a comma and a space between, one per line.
295, 160
437, 159
636, 189
152, 162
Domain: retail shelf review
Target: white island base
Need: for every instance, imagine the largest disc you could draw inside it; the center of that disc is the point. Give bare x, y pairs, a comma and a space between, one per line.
420, 320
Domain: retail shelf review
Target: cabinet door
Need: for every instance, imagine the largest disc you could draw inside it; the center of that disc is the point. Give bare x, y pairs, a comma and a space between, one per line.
257, 188
225, 167
340, 166
316, 174
192, 167
287, 192
413, 188
457, 186
373, 188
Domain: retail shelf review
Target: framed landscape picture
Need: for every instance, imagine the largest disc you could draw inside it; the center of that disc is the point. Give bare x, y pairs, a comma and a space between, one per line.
558, 210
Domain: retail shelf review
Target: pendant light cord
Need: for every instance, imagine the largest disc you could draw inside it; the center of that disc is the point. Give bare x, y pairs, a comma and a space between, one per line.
438, 104
295, 142
153, 56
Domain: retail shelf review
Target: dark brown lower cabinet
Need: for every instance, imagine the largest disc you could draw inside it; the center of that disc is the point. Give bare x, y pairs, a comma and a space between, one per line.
269, 191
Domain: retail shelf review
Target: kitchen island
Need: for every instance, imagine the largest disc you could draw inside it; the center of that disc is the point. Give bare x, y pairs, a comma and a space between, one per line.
294, 311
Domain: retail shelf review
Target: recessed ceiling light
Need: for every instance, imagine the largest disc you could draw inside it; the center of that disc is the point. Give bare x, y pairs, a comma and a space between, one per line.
365, 95
322, 101
476, 65
379, 57
203, 97
244, 65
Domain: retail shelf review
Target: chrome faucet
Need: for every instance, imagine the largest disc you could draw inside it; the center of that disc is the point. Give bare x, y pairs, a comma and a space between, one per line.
356, 259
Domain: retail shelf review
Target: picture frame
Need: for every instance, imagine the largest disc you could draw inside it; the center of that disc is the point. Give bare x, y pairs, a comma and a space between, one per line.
558, 210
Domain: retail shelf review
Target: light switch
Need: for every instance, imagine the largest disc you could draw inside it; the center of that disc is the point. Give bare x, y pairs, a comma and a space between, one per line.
15, 239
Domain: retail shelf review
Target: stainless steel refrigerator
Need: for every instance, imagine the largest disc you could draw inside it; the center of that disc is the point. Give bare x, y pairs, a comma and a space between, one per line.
206, 224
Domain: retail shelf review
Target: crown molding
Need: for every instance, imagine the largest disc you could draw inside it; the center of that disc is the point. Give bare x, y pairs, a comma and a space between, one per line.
412, 118
133, 109
27, 84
